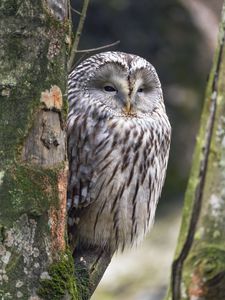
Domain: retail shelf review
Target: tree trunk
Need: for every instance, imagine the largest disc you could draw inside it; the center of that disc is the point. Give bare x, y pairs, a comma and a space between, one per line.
34, 260
198, 271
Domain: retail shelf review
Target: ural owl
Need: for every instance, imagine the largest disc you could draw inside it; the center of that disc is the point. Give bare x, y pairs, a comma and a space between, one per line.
118, 147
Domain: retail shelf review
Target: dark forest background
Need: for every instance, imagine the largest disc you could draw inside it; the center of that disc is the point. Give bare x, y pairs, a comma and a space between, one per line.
178, 38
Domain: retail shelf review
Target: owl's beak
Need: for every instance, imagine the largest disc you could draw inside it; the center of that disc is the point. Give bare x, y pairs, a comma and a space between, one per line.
128, 109
128, 106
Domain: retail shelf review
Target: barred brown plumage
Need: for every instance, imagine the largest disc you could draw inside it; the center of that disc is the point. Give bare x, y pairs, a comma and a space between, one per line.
118, 146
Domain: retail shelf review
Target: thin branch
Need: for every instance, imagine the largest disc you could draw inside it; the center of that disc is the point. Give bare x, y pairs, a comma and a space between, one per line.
74, 10
70, 20
78, 35
98, 48
80, 59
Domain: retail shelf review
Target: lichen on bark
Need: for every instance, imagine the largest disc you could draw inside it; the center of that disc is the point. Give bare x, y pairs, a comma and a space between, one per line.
198, 270
33, 174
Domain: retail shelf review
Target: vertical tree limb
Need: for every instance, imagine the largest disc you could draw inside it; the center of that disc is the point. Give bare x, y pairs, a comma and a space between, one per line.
199, 270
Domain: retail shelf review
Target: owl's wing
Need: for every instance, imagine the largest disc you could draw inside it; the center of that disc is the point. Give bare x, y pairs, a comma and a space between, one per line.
85, 137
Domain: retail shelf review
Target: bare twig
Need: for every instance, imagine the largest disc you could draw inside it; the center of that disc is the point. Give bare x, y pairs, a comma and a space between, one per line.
86, 52
70, 21
78, 35
98, 48
80, 59
74, 10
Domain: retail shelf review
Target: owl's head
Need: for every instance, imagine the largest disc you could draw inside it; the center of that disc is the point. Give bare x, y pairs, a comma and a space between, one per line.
122, 84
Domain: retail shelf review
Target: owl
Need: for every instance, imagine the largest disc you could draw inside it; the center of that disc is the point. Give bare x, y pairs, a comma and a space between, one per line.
118, 146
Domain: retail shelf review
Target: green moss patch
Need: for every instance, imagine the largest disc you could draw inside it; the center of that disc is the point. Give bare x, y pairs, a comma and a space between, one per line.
209, 261
83, 281
26, 189
61, 280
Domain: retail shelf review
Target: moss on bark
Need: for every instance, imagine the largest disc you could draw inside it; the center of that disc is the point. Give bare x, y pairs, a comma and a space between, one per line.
59, 280
199, 269
28, 190
33, 53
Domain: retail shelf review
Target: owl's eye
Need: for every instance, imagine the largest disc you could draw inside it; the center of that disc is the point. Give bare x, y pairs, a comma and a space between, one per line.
109, 88
140, 90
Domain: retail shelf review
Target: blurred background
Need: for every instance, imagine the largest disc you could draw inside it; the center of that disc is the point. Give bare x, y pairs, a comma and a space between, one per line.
178, 37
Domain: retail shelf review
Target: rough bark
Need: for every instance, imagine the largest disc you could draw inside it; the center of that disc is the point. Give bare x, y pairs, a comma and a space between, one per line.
34, 260
198, 270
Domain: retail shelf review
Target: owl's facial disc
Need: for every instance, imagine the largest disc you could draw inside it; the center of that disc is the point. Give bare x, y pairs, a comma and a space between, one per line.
124, 91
